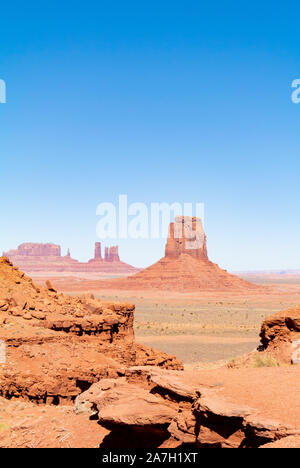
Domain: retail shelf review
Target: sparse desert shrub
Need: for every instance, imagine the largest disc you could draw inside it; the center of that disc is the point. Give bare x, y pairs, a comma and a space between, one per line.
265, 360
4, 427
231, 364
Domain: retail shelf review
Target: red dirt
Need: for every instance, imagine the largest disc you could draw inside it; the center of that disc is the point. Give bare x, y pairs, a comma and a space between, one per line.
287, 442
26, 425
271, 392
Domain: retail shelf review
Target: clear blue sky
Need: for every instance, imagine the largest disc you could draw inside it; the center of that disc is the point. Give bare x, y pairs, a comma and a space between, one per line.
163, 101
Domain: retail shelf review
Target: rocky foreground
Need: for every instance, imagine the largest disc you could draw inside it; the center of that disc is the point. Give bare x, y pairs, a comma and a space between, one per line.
73, 376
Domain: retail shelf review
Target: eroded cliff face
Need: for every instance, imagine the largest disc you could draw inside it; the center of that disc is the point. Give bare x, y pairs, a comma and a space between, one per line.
279, 342
58, 345
280, 336
186, 236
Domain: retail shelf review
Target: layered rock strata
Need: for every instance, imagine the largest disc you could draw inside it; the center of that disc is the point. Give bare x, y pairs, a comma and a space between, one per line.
185, 266
58, 345
41, 258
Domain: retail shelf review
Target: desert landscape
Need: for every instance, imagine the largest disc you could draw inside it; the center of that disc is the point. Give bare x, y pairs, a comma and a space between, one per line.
84, 351
149, 250
188, 306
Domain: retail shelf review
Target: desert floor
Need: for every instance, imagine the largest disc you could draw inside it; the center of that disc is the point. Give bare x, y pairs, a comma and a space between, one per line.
203, 330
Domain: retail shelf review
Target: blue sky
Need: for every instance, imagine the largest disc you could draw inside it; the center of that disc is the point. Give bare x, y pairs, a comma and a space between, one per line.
162, 101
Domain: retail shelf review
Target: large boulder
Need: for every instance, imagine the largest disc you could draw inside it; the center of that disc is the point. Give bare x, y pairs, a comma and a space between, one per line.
280, 335
119, 403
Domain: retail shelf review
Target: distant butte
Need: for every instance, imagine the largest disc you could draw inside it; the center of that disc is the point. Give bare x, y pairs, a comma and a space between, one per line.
185, 266
46, 258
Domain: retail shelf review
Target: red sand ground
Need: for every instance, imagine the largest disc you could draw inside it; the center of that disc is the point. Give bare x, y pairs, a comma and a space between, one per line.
26, 425
271, 392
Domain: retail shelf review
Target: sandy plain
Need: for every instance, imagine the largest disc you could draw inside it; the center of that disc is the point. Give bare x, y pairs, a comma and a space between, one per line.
204, 329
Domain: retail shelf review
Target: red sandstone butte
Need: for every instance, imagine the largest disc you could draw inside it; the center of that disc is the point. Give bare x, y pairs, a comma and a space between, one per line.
47, 258
185, 266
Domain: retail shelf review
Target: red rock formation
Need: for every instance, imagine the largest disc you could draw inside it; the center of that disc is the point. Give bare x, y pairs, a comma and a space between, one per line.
186, 236
113, 255
280, 336
98, 255
35, 250
150, 407
66, 342
34, 258
185, 267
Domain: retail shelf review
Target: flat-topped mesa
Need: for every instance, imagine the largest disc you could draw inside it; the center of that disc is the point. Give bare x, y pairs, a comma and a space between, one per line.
186, 236
34, 258
35, 250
